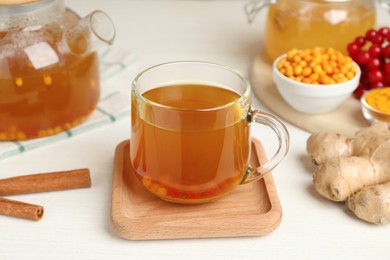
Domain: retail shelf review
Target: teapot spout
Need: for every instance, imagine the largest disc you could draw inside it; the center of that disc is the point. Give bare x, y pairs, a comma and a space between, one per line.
91, 32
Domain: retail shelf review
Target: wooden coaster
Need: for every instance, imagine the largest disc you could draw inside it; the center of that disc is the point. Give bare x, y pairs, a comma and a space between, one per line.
250, 210
346, 119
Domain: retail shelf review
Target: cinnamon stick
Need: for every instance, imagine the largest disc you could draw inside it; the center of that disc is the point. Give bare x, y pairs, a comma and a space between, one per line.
20, 209
42, 182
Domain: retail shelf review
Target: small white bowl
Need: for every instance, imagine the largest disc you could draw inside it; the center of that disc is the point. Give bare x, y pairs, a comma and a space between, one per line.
313, 98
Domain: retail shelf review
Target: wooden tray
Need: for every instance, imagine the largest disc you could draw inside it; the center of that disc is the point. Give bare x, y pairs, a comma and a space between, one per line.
346, 119
250, 210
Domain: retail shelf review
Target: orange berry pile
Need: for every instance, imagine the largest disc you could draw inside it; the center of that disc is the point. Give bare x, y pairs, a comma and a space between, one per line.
317, 66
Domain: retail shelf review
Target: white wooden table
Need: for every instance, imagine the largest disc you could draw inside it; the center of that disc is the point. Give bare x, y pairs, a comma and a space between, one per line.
76, 224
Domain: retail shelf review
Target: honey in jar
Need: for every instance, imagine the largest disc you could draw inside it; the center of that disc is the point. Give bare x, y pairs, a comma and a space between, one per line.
305, 24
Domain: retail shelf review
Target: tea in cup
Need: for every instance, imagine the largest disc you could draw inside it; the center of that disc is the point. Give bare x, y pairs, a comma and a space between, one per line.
190, 134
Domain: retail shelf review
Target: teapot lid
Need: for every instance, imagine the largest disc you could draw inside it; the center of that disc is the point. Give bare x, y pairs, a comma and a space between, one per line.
20, 14
16, 2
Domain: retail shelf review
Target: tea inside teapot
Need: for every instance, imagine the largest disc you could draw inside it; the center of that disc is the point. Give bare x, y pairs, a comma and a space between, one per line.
49, 70
305, 24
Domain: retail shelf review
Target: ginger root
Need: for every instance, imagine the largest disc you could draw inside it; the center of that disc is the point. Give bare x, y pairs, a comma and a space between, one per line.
346, 166
339, 178
372, 204
323, 147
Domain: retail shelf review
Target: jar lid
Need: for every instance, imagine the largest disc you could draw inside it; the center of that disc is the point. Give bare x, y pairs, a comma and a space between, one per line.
19, 14
16, 2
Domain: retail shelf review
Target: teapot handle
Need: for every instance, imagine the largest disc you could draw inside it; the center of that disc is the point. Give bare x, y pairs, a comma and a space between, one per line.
253, 7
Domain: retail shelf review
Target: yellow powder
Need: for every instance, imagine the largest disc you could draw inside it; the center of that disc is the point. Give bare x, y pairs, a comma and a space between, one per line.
379, 99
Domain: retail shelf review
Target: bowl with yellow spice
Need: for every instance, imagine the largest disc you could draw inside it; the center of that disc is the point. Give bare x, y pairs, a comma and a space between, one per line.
317, 80
376, 104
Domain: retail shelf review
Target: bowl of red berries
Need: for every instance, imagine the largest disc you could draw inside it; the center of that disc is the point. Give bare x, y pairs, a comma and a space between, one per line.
372, 53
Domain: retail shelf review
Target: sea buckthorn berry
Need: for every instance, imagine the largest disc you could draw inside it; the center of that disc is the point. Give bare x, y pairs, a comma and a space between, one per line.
289, 73
318, 69
307, 71
298, 70
303, 63
350, 75
328, 69
161, 191
317, 66
325, 80
147, 181
297, 58
19, 82
314, 77
307, 80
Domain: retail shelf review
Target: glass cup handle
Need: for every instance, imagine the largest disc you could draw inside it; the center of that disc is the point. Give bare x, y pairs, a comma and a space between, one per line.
253, 7
281, 131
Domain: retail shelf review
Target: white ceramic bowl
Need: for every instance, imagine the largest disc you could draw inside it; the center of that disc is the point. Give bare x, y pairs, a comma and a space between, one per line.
314, 98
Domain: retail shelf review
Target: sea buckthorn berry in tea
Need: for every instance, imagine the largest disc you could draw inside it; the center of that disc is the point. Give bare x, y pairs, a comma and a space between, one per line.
317, 66
185, 154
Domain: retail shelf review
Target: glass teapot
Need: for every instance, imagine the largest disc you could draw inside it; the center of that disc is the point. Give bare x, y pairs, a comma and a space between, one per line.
49, 70
311, 23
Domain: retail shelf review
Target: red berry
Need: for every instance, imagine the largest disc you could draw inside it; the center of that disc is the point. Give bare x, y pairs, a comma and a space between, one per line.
358, 93
373, 59
363, 57
370, 34
384, 31
386, 51
377, 85
375, 76
354, 57
387, 68
360, 41
386, 79
375, 50
353, 48
374, 64
378, 39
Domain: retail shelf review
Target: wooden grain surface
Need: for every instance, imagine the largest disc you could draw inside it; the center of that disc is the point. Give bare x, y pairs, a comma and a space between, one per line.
346, 119
250, 210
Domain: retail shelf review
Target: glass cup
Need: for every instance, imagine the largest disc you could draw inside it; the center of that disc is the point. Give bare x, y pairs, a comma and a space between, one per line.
190, 134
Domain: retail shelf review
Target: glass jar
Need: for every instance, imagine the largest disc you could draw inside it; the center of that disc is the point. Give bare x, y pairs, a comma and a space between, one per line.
49, 69
311, 23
